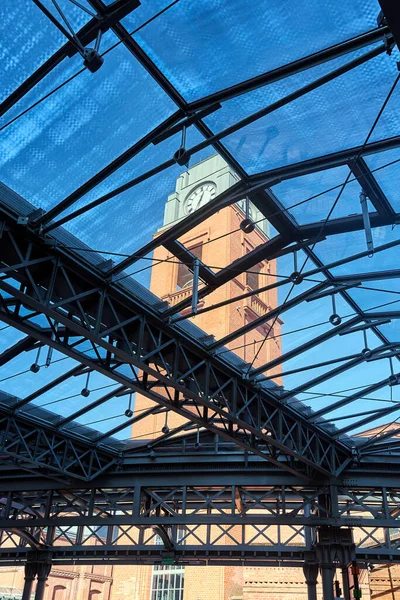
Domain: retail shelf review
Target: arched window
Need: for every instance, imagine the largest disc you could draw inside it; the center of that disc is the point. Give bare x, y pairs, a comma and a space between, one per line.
59, 592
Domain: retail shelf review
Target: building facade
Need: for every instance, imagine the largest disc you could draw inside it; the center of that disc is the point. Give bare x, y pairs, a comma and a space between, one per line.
77, 582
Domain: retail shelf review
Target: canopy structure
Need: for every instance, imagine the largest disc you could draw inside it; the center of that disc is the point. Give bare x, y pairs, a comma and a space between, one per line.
101, 113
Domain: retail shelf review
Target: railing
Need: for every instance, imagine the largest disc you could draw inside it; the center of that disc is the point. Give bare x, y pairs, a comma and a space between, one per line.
178, 296
256, 305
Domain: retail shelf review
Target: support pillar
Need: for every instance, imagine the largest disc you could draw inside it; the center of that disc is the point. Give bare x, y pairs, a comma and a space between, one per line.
30, 573
334, 547
327, 581
311, 573
346, 582
43, 572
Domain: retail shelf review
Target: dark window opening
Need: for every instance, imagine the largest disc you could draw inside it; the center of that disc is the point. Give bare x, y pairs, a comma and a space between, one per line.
253, 277
185, 275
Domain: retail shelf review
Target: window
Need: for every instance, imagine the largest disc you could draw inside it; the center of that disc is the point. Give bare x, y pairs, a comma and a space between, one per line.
253, 277
167, 581
59, 592
185, 275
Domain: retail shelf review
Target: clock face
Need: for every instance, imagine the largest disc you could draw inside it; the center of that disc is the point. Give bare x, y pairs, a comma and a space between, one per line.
200, 196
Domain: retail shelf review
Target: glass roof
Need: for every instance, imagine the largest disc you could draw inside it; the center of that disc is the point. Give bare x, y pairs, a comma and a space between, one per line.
75, 137
245, 46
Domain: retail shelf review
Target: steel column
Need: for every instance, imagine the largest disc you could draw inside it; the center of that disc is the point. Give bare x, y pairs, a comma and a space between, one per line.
327, 581
311, 573
346, 582
30, 573
43, 572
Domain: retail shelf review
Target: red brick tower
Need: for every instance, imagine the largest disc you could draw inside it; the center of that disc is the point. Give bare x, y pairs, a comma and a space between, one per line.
217, 242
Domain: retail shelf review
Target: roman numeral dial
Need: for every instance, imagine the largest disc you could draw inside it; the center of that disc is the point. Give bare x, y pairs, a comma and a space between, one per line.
200, 196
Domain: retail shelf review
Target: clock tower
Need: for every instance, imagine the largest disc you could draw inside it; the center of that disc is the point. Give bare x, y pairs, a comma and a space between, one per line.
200, 184
217, 242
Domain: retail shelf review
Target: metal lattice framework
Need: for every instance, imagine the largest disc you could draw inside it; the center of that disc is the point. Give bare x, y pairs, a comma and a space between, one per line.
209, 520
61, 294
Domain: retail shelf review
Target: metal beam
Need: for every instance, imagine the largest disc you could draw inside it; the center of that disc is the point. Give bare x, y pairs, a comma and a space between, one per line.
176, 231
175, 505
328, 161
39, 446
325, 269
265, 251
391, 10
23, 345
297, 66
191, 382
332, 373
88, 33
371, 187
64, 421
345, 225
364, 392
384, 412
267, 524
378, 438
108, 170
327, 335
49, 386
272, 314
216, 138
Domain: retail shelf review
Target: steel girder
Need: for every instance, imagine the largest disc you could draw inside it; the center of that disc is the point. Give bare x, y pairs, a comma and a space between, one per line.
218, 521
283, 222
391, 12
292, 68
102, 22
202, 503
171, 368
328, 161
32, 444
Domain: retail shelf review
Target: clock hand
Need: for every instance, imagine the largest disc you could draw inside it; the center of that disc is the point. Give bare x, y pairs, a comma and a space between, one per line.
199, 200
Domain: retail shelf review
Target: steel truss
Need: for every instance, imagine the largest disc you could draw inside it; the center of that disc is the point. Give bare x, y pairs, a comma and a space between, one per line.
219, 522
30, 445
59, 299
166, 365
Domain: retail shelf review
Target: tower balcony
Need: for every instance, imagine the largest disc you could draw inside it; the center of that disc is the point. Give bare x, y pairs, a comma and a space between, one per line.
175, 297
256, 305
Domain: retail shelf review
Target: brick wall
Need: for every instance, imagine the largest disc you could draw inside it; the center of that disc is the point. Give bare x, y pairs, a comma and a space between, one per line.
221, 321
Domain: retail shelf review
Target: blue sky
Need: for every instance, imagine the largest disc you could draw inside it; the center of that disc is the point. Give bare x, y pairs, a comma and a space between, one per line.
201, 47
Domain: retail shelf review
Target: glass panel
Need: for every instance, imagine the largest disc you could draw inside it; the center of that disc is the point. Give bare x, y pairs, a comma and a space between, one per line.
129, 211
310, 198
387, 176
245, 36
305, 128
21, 59
345, 245
63, 142
167, 582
